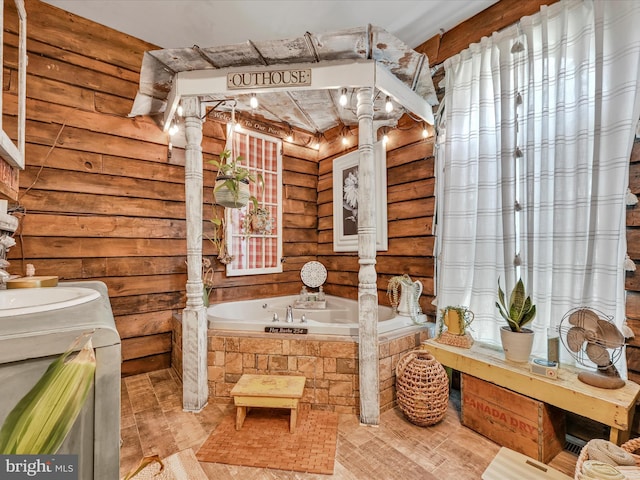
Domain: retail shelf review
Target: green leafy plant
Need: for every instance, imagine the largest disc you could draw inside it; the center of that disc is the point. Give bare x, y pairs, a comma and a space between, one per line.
257, 220
463, 317
232, 169
41, 420
520, 310
231, 174
218, 235
207, 280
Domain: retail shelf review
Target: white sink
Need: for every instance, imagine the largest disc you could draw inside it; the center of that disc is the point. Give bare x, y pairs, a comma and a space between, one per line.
21, 301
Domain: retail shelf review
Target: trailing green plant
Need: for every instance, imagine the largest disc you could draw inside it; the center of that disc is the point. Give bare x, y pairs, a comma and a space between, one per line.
218, 235
463, 316
231, 173
207, 280
257, 220
520, 311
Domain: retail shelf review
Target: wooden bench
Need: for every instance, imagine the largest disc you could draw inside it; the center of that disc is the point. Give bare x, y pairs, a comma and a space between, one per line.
614, 408
268, 391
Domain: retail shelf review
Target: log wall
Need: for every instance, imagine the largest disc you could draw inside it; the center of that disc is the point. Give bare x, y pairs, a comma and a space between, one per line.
101, 197
410, 211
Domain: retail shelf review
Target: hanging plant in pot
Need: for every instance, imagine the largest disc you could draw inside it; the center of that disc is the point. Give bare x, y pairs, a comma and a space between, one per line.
232, 183
257, 220
517, 341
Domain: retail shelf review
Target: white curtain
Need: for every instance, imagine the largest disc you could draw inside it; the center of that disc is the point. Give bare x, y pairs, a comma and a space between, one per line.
538, 126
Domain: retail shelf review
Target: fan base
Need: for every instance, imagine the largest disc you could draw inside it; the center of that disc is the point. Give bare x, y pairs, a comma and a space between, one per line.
601, 380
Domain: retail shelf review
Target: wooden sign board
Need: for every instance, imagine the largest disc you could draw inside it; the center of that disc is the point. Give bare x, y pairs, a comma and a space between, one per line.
295, 77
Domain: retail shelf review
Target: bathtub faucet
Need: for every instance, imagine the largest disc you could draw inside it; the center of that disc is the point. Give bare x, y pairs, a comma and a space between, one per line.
289, 318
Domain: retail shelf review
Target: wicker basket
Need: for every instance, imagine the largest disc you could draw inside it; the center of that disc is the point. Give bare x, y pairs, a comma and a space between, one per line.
422, 388
228, 198
632, 446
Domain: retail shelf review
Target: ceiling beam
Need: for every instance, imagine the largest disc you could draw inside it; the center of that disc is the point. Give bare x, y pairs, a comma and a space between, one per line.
324, 75
389, 84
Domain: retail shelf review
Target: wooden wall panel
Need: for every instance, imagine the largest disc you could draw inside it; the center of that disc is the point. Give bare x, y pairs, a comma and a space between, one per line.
410, 209
632, 282
494, 18
103, 199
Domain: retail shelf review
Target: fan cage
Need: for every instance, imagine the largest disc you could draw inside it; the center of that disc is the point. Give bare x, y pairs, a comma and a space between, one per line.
581, 356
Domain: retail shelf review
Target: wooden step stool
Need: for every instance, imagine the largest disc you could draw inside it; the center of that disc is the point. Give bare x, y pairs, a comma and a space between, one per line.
268, 391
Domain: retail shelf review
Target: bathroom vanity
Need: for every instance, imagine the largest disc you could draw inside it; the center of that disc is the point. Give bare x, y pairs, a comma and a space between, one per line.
32, 338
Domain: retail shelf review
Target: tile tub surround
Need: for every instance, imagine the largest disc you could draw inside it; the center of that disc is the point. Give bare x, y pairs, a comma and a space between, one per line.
330, 364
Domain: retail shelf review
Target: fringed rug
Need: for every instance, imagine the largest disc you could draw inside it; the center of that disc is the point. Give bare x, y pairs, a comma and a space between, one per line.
264, 441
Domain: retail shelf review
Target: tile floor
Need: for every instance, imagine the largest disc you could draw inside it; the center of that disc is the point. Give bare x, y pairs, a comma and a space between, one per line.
153, 422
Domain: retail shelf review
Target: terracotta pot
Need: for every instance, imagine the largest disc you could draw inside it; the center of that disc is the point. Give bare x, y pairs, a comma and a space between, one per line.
516, 345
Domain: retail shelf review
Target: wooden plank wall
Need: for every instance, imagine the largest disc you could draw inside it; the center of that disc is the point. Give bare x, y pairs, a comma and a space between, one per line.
410, 178
632, 283
103, 200
410, 209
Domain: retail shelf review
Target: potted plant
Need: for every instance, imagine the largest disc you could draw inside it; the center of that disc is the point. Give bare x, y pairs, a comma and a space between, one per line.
257, 221
456, 319
517, 340
232, 183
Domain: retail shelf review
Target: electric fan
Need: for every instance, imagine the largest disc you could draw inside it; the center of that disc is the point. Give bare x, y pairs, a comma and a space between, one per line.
592, 338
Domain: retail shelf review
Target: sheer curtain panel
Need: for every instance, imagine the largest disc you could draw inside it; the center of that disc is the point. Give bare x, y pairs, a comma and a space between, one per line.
539, 123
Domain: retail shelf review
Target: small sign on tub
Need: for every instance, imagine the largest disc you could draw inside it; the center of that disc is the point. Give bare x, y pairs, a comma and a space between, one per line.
294, 330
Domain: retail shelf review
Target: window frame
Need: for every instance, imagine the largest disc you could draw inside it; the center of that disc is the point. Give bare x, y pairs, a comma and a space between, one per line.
234, 227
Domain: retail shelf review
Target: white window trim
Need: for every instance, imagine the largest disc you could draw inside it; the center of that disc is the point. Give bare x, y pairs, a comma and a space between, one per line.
231, 270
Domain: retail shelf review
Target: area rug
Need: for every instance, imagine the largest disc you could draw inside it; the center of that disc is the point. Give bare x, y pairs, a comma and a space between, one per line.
264, 441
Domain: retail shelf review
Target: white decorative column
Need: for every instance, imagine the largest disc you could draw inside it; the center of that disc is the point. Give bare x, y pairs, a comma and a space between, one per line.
195, 391
367, 277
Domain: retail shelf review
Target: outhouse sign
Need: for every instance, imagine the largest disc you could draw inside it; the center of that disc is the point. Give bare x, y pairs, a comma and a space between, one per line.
295, 77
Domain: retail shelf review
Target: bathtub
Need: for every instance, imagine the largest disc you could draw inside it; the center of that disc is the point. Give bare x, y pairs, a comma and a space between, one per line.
339, 318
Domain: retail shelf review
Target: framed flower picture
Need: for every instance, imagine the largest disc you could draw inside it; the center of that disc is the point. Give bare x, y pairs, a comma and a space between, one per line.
345, 200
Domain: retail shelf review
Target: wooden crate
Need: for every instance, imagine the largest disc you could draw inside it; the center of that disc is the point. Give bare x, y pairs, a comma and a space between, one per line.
512, 420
